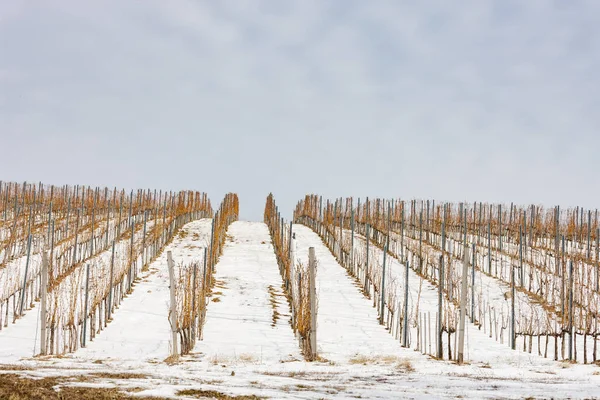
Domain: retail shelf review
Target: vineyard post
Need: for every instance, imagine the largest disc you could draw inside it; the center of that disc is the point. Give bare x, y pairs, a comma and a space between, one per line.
420, 268
556, 241
402, 233
341, 230
513, 336
22, 302
85, 306
201, 320
597, 258
321, 215
50, 218
440, 354
427, 228
524, 232
556, 225
479, 225
313, 304
385, 250
173, 304
51, 241
194, 294
93, 220
130, 207
500, 229
74, 259
130, 278
290, 245
463, 304
473, 284
405, 330
144, 239
212, 241
43, 297
571, 310
292, 272
562, 282
107, 217
589, 235
490, 245
352, 236
282, 231
465, 226
510, 219
521, 270
367, 260
110, 287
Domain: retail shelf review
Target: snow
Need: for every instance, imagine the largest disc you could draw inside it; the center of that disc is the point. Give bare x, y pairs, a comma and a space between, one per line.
244, 353
240, 314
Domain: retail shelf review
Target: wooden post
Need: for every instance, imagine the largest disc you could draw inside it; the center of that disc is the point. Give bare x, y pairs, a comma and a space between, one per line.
313, 304
440, 327
473, 284
110, 288
85, 306
352, 235
381, 312
463, 304
201, 320
366, 286
490, 245
292, 273
43, 307
131, 266
212, 243
420, 266
597, 261
22, 300
405, 329
173, 304
589, 235
571, 310
144, 240
513, 336
194, 294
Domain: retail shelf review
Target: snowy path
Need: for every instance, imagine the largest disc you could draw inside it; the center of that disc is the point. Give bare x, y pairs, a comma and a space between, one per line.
240, 318
140, 329
347, 326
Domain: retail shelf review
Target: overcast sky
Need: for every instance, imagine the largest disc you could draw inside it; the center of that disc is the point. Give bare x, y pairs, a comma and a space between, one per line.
453, 100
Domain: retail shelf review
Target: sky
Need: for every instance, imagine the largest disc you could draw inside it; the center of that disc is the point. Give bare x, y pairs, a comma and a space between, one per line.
472, 100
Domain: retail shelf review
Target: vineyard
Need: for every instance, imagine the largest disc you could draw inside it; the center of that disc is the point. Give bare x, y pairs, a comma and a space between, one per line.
154, 294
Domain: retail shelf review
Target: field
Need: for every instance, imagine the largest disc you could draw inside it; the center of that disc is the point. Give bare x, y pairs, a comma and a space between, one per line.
113, 294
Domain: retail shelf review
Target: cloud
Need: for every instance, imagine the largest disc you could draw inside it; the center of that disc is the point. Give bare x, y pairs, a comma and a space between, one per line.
477, 100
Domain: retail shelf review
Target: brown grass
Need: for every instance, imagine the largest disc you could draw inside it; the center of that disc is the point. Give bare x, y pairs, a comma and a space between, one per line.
15, 387
212, 394
400, 363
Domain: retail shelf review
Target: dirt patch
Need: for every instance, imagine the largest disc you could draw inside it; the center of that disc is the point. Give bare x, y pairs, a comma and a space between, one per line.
117, 375
211, 394
400, 363
15, 387
10, 367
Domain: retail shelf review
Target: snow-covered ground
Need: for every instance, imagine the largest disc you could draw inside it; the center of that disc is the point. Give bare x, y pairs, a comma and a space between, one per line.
347, 326
140, 329
248, 317
246, 351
